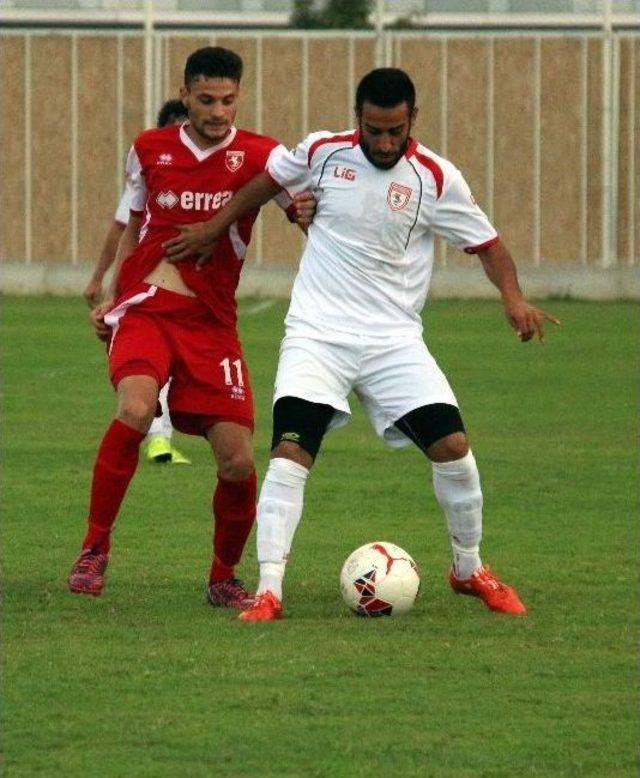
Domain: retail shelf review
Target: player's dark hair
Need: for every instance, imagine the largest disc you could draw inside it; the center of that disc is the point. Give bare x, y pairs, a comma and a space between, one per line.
386, 88
170, 112
213, 62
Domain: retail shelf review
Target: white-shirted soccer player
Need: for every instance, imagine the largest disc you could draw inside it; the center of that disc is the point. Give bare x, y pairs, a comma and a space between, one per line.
159, 446
354, 320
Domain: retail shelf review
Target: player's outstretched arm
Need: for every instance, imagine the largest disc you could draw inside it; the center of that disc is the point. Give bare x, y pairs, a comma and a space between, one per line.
526, 319
197, 240
93, 290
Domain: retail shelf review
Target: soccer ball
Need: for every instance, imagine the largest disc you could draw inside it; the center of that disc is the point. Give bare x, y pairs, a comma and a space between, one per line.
379, 579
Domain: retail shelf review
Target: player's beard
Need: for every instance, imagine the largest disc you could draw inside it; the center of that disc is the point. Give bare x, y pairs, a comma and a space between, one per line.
384, 164
212, 133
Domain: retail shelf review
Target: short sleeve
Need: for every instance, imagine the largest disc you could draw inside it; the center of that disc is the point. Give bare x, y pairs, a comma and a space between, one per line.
290, 168
124, 206
284, 201
135, 182
459, 219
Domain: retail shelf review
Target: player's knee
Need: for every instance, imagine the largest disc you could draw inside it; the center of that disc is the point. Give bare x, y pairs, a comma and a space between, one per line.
450, 448
136, 412
293, 453
236, 466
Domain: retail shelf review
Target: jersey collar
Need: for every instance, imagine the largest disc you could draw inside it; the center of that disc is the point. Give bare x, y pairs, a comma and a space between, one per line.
411, 147
201, 154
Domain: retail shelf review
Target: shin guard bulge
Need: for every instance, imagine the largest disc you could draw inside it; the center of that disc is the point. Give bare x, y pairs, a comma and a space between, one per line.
279, 513
457, 489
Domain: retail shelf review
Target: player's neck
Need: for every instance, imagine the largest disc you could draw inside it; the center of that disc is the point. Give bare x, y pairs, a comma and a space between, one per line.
202, 142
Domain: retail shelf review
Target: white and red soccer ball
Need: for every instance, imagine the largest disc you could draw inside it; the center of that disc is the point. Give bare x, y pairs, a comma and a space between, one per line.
379, 579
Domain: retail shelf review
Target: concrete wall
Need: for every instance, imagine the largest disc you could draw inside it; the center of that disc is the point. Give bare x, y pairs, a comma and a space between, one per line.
521, 115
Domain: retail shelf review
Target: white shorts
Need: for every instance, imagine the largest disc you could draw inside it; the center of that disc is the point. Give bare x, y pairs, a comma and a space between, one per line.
390, 377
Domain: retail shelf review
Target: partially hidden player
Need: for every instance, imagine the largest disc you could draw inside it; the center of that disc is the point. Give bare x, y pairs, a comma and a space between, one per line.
159, 445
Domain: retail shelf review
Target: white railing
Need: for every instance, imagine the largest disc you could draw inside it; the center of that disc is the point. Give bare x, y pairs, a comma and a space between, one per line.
158, 85
429, 14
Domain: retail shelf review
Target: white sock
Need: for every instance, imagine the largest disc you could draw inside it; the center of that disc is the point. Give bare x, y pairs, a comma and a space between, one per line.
457, 489
165, 419
161, 425
279, 513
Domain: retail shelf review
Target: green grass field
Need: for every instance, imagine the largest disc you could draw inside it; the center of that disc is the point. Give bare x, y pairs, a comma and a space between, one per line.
150, 681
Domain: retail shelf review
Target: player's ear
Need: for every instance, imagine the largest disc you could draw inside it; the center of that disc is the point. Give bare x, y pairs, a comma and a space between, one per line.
414, 114
184, 93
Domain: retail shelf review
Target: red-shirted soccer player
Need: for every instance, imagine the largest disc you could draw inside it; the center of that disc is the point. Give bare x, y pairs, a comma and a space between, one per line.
162, 320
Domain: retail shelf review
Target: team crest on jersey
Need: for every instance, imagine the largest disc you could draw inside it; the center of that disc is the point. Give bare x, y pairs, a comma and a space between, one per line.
398, 196
234, 160
165, 159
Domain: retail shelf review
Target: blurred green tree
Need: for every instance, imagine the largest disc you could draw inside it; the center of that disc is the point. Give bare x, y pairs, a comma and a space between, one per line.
333, 14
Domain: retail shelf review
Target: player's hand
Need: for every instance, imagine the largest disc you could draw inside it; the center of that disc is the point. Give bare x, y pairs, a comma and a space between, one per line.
305, 205
93, 293
193, 242
96, 317
527, 320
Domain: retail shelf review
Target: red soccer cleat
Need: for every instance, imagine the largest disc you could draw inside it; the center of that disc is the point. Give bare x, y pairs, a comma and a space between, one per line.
495, 594
87, 573
229, 593
267, 607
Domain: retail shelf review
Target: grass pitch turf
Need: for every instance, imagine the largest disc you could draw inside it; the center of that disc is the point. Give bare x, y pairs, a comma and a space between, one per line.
150, 681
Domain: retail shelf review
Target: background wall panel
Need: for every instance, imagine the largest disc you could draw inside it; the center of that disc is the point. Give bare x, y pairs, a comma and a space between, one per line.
133, 77
594, 152
282, 118
467, 121
624, 153
177, 50
329, 89
99, 181
51, 109
455, 122
364, 58
635, 259
560, 150
514, 146
12, 149
422, 61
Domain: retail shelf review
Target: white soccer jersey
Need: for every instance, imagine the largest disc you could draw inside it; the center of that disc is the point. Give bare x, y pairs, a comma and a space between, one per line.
368, 261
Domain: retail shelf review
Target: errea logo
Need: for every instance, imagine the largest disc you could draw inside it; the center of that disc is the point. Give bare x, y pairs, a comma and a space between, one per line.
194, 201
165, 159
167, 199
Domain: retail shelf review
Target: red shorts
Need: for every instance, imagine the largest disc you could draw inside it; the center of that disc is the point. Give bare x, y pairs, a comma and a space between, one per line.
163, 334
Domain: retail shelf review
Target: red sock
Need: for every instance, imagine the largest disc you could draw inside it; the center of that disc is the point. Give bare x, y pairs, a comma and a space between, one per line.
234, 510
115, 465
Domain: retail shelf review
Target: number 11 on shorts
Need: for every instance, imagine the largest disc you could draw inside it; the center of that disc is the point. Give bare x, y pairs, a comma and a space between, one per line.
226, 365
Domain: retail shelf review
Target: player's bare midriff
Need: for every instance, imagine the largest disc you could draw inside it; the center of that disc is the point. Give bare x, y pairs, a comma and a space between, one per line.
168, 277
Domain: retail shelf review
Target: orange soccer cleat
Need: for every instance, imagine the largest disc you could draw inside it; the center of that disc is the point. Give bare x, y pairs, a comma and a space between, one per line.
267, 607
495, 594
87, 573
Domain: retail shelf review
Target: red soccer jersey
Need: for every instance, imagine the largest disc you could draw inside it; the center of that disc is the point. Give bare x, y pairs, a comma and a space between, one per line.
174, 182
